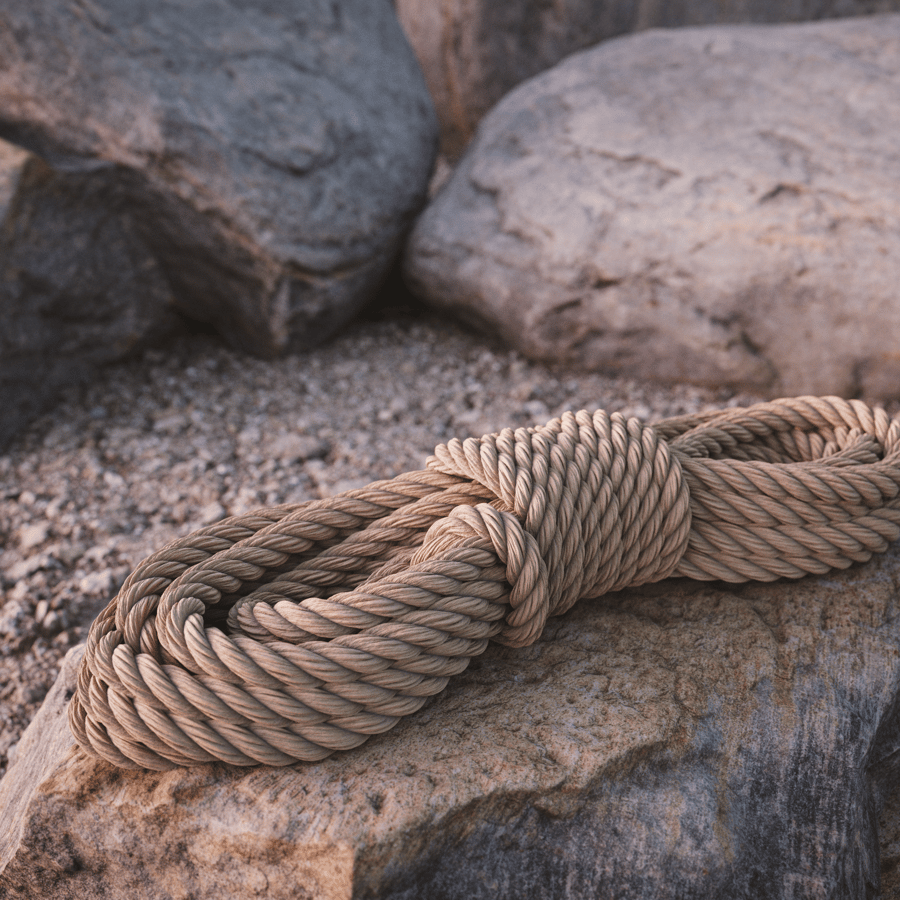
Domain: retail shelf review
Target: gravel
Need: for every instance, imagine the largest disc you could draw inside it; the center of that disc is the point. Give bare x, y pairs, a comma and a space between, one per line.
180, 438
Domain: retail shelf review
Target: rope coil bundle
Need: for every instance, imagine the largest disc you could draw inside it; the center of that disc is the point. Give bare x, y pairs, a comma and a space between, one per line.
296, 631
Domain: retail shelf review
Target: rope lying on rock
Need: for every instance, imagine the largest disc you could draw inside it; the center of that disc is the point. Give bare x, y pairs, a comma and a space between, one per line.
292, 632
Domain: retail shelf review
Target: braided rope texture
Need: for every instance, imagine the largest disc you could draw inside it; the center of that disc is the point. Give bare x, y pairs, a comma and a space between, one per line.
292, 632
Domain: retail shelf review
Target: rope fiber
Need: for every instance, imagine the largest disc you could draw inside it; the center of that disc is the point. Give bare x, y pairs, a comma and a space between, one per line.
295, 631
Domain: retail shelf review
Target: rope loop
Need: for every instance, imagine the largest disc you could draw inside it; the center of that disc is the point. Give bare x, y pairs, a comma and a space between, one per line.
500, 532
292, 632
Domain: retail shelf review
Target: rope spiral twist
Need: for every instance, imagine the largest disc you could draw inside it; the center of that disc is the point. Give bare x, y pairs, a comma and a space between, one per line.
296, 631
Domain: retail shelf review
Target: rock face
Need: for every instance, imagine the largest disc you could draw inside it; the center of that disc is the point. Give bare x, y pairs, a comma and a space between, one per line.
475, 51
78, 287
718, 206
272, 155
674, 741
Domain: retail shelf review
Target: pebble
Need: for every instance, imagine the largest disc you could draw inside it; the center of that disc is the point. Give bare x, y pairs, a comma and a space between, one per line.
29, 566
98, 584
13, 616
212, 512
295, 447
30, 536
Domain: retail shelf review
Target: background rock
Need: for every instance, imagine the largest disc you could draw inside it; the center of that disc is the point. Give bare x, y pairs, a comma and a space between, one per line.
475, 51
674, 741
719, 206
272, 155
78, 286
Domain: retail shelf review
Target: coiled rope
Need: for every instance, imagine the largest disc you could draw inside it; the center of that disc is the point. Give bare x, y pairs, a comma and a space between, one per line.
292, 632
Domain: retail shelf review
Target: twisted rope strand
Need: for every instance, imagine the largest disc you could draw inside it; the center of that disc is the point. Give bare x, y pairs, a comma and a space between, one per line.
296, 631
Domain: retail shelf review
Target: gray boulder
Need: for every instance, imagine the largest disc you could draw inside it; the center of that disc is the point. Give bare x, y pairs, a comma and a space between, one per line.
272, 154
679, 740
712, 205
78, 286
473, 52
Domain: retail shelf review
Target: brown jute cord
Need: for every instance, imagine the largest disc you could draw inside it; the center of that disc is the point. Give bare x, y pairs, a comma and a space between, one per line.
292, 632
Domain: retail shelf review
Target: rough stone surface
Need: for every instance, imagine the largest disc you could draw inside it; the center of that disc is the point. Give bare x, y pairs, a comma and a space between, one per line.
889, 844
273, 154
714, 205
475, 51
78, 287
680, 740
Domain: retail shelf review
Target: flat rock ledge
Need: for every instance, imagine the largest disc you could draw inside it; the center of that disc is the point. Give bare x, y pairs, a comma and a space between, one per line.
680, 740
716, 206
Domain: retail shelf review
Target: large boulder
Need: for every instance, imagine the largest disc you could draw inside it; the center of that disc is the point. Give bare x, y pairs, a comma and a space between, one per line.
679, 740
78, 286
474, 51
272, 155
713, 205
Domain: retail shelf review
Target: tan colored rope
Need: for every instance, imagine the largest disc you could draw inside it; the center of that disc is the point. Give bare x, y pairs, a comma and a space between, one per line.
296, 631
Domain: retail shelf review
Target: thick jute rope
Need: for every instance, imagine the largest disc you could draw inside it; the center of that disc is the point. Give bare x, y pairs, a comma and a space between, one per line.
292, 632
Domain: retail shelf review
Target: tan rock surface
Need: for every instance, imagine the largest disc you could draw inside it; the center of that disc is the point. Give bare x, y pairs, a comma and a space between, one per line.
717, 206
676, 741
475, 51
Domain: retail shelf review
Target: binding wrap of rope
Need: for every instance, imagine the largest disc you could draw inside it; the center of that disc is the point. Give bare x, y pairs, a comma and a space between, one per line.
292, 632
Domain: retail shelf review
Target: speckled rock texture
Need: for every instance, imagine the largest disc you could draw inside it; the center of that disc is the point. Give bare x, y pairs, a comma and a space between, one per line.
713, 205
78, 287
272, 154
680, 740
475, 51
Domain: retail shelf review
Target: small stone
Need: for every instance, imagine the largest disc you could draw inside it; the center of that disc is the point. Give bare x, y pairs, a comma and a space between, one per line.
174, 423
114, 480
13, 617
20, 590
29, 536
65, 638
97, 584
29, 566
212, 512
289, 448
53, 622
41, 610
54, 508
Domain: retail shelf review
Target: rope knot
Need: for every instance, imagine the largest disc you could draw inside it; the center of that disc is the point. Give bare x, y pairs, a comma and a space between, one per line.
601, 495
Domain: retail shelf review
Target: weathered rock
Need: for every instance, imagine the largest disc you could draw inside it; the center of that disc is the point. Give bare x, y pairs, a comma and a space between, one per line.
889, 832
680, 740
714, 205
78, 286
474, 51
273, 154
